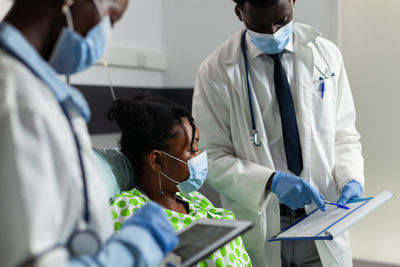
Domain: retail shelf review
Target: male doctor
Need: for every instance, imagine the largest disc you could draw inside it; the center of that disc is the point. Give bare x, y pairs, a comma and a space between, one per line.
53, 203
302, 146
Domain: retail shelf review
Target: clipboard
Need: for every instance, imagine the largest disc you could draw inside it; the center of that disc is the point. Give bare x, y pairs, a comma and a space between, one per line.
319, 225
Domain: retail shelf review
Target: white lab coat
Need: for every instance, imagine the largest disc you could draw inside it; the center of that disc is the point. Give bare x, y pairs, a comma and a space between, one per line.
41, 186
239, 171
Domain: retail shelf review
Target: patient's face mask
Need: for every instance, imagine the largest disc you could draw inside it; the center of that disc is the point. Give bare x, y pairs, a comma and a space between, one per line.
198, 168
73, 52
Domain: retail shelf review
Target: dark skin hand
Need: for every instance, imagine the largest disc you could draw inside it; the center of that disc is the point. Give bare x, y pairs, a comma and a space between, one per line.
266, 19
179, 147
41, 21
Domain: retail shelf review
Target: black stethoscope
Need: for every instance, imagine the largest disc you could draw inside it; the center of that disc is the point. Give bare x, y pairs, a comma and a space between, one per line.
254, 137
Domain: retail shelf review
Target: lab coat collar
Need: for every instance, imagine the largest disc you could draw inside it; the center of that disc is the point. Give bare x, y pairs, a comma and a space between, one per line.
302, 35
16, 44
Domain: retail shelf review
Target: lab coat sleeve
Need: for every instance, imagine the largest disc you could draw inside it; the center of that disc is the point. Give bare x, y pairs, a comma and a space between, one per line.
26, 173
242, 181
349, 162
132, 246
30, 203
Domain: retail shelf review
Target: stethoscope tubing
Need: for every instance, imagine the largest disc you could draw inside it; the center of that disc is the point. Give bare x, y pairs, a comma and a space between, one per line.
324, 76
81, 165
246, 66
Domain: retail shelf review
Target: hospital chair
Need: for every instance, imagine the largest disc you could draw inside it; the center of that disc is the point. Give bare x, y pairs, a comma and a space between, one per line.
115, 169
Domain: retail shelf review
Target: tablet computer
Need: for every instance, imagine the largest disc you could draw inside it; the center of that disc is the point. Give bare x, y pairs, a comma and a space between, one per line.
205, 236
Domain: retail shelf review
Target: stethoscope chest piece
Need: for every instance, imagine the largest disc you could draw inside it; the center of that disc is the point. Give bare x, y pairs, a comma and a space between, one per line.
255, 138
83, 242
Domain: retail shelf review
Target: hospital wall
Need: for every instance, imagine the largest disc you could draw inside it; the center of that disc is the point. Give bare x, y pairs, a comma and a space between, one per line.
371, 50
193, 29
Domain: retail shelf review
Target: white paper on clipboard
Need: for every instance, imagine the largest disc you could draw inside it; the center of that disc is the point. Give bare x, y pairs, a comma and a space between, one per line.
319, 225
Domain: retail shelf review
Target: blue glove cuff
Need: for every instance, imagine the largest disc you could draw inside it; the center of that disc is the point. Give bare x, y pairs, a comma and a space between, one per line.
353, 183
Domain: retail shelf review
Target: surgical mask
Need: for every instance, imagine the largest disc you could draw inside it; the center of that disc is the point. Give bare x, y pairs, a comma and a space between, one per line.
198, 168
73, 52
272, 43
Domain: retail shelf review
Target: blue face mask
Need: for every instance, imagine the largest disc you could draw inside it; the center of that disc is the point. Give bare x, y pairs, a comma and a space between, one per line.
74, 53
272, 43
198, 168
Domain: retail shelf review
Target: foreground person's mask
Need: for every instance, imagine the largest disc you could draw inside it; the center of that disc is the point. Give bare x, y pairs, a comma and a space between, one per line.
73, 52
198, 168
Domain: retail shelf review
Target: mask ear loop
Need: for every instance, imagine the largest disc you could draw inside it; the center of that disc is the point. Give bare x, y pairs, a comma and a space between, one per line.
159, 181
70, 25
67, 12
99, 8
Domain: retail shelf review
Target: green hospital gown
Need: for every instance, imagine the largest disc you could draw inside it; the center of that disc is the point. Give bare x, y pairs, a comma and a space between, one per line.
232, 254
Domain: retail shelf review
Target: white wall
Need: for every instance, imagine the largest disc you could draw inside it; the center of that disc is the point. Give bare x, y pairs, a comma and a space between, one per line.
140, 28
192, 29
371, 50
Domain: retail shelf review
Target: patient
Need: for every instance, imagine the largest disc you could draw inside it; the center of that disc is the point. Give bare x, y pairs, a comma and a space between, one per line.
160, 139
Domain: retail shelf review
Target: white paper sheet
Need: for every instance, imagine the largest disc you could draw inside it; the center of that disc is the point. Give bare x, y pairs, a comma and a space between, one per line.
335, 220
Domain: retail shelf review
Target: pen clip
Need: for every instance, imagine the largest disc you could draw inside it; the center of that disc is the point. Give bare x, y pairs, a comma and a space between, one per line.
322, 88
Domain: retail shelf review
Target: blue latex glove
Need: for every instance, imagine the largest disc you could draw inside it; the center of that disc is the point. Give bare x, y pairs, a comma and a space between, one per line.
352, 189
295, 192
152, 217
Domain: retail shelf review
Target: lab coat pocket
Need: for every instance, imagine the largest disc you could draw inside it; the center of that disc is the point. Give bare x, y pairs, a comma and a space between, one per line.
323, 101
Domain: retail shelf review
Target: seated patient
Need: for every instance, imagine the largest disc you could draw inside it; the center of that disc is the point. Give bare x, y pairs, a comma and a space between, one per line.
160, 139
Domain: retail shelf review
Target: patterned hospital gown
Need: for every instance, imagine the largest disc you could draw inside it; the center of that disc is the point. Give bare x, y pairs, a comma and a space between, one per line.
232, 254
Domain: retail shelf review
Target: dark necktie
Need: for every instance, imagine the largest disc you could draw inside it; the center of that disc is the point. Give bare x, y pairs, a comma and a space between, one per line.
288, 117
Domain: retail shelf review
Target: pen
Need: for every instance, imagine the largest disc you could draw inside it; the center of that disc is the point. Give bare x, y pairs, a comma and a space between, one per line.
322, 89
337, 205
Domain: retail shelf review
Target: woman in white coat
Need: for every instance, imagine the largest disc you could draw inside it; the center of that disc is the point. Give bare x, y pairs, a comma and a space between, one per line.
242, 172
53, 203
